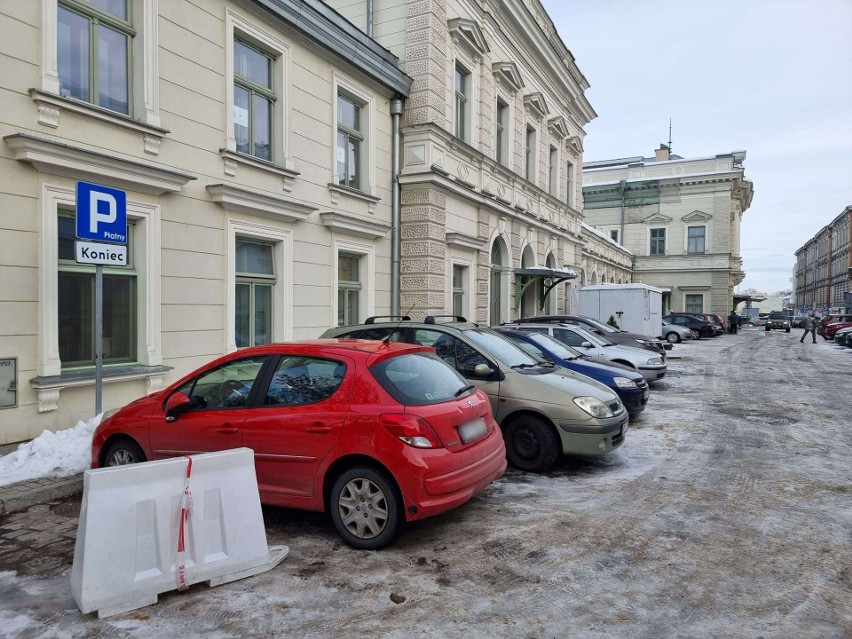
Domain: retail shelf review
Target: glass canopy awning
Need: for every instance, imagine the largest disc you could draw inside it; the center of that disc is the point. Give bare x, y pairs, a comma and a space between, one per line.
549, 277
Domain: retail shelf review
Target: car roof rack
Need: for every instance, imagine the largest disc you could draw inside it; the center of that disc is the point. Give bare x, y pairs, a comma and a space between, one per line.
430, 319
401, 318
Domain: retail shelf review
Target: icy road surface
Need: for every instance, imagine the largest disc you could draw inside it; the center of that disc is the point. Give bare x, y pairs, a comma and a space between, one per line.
727, 513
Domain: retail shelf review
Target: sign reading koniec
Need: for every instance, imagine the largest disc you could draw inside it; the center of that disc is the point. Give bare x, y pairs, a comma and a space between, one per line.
96, 253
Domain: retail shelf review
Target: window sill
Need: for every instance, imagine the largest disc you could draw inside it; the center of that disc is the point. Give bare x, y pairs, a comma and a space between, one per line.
287, 173
50, 106
49, 387
337, 190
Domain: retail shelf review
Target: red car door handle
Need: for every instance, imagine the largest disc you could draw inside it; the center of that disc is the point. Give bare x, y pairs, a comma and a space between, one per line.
319, 428
228, 430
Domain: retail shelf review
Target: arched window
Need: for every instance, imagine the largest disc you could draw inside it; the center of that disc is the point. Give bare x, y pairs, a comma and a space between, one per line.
498, 302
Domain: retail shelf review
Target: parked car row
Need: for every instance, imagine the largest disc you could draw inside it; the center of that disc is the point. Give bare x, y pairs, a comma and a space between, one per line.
833, 320
701, 324
843, 336
395, 420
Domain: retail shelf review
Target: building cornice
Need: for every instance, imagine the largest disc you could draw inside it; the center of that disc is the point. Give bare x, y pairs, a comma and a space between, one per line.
242, 200
58, 158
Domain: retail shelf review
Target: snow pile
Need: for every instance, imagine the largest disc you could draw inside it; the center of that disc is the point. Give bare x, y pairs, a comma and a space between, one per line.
60, 454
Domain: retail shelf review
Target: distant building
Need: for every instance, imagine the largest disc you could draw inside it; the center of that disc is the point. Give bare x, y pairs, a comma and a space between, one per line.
824, 265
679, 217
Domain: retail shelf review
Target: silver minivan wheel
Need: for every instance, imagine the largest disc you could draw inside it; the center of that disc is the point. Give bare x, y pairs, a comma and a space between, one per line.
673, 338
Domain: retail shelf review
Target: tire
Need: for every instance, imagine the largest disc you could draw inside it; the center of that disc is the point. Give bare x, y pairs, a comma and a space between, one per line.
767, 328
673, 338
531, 443
706, 331
123, 452
786, 330
366, 508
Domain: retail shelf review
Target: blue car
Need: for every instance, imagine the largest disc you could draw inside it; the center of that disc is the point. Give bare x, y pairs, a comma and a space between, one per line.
629, 385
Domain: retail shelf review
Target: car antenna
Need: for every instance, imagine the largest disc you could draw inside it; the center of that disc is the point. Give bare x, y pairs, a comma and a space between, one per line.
402, 317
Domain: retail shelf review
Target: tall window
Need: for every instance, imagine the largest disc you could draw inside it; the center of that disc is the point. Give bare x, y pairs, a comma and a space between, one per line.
694, 304
350, 138
613, 235
553, 170
658, 242
458, 289
254, 97
502, 132
348, 288
255, 282
529, 154
462, 84
93, 52
695, 239
77, 305
569, 184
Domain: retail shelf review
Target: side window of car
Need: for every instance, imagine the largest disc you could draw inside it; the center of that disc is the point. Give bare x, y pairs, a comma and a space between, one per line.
302, 380
381, 332
227, 386
568, 337
461, 356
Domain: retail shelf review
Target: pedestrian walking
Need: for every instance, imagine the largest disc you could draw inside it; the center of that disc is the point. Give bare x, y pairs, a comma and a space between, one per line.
809, 325
734, 319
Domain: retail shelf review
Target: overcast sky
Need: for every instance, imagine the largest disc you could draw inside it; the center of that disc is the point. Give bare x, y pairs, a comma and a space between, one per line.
773, 77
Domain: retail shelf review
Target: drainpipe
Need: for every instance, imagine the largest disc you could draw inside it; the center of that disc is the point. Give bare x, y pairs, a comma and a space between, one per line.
396, 112
370, 18
621, 185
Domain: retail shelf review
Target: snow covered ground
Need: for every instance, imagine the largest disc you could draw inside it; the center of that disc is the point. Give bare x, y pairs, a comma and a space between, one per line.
726, 514
61, 454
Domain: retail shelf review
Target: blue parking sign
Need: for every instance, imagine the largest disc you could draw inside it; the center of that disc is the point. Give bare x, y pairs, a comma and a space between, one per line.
101, 213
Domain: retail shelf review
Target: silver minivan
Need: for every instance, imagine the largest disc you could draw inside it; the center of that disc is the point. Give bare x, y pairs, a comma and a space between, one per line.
601, 349
542, 410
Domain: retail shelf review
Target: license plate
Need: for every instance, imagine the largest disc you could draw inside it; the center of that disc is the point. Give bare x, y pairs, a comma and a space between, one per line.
472, 430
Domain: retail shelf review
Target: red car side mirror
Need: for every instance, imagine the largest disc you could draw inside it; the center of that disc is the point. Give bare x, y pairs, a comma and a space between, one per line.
175, 404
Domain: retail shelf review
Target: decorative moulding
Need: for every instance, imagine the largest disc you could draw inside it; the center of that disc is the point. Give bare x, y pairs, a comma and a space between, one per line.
241, 200
536, 104
49, 388
232, 159
657, 218
558, 127
58, 158
468, 32
50, 107
697, 216
337, 191
355, 226
507, 73
461, 240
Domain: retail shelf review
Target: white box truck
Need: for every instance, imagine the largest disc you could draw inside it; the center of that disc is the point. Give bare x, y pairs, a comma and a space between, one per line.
637, 308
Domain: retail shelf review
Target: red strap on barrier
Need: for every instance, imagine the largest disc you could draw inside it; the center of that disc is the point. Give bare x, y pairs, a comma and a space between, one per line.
185, 511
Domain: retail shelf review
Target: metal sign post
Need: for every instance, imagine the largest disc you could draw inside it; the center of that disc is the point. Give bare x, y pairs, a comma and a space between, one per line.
101, 216
99, 334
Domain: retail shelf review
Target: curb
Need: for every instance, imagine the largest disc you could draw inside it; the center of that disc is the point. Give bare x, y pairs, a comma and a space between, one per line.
22, 495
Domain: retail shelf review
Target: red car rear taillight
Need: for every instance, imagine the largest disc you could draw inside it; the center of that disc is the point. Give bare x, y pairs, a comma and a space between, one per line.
413, 430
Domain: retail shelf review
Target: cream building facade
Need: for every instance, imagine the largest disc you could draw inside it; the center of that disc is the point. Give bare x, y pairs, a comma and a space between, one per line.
492, 148
680, 218
254, 142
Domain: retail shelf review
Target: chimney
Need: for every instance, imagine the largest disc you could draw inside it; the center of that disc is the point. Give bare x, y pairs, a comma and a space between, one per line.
661, 154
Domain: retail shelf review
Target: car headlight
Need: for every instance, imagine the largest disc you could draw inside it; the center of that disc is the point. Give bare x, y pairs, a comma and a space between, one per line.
655, 361
623, 382
109, 413
593, 406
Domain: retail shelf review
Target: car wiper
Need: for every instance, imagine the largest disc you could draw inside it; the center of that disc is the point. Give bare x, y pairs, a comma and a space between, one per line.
523, 366
464, 389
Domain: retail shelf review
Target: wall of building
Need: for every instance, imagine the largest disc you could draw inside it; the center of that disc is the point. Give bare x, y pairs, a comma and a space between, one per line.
189, 193
823, 263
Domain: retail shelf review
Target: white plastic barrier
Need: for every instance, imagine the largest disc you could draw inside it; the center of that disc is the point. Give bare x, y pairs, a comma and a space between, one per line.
135, 518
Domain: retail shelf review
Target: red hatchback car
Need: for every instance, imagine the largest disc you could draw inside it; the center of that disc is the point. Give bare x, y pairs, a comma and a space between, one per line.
373, 433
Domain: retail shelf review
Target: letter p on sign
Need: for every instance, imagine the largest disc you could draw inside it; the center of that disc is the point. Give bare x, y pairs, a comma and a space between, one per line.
101, 213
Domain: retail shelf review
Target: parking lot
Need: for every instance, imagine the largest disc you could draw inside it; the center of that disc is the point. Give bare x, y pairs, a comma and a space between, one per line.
727, 512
